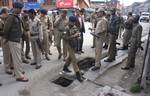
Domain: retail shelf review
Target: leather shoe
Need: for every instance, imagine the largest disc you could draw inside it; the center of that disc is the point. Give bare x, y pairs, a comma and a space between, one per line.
79, 77
9, 72
125, 68
1, 84
95, 68
28, 57
38, 66
33, 63
108, 60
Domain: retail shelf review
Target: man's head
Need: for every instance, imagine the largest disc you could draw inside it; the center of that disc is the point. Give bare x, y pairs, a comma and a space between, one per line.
32, 13
113, 11
4, 12
43, 12
100, 12
64, 13
72, 21
17, 7
130, 14
136, 18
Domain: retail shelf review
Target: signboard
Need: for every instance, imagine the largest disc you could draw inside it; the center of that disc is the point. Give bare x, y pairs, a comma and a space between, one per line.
64, 3
31, 5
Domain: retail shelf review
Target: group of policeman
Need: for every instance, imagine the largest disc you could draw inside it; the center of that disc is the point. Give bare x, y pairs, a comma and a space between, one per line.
22, 28
107, 29
39, 30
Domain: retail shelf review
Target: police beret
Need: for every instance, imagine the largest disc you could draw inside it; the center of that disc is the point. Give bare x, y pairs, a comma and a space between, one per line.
17, 5
31, 11
72, 19
43, 11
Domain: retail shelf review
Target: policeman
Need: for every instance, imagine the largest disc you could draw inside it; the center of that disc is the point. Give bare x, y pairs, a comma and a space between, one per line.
135, 43
70, 37
60, 23
100, 32
45, 24
36, 37
113, 31
6, 52
128, 31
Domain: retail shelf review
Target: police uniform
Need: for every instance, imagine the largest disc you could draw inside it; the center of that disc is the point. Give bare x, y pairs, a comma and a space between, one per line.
70, 37
128, 32
60, 24
100, 32
36, 40
7, 59
113, 33
135, 44
45, 21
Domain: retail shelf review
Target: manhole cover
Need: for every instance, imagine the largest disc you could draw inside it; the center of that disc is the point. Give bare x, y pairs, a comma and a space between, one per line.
64, 82
86, 63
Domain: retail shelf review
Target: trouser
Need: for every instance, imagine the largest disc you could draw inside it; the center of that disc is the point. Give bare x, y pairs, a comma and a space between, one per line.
93, 41
81, 42
15, 49
112, 47
50, 35
132, 54
107, 39
46, 43
36, 51
71, 58
64, 49
26, 40
98, 50
7, 58
57, 40
126, 37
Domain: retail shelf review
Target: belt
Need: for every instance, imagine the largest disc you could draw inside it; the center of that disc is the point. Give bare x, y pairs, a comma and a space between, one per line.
34, 34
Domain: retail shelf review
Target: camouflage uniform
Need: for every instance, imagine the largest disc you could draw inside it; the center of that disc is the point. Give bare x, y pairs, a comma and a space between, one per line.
128, 32
135, 44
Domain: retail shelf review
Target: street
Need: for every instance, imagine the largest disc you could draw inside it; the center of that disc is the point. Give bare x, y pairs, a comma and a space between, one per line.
40, 81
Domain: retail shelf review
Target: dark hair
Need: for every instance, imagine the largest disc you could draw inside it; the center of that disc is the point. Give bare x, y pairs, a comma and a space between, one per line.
4, 11
64, 11
130, 13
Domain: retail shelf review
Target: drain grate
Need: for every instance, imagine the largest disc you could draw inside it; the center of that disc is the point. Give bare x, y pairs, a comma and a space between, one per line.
64, 82
86, 63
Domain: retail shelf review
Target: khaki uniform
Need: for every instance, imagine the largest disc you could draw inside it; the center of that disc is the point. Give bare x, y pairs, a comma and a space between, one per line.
26, 37
128, 31
135, 44
60, 25
7, 59
70, 45
45, 21
100, 31
36, 39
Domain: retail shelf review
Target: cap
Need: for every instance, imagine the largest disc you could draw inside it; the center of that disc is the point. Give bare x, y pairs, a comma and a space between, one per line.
72, 19
31, 11
43, 11
18, 5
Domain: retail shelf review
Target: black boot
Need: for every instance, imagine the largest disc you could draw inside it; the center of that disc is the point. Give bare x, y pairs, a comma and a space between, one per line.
105, 46
79, 77
1, 84
65, 69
